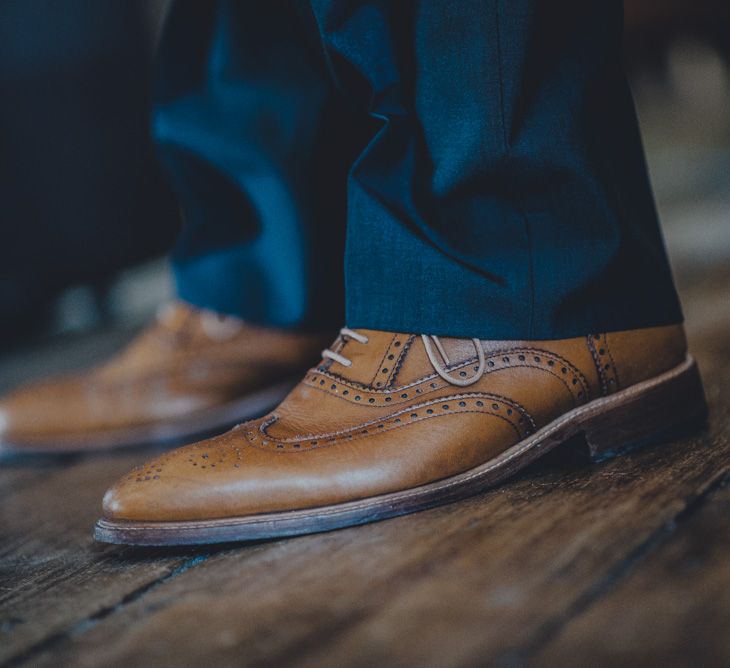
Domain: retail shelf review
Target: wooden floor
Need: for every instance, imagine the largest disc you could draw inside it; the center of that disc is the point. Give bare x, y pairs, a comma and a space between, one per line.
623, 563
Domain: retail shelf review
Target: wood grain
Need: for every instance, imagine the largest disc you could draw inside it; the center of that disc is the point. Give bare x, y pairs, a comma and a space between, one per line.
53, 576
681, 593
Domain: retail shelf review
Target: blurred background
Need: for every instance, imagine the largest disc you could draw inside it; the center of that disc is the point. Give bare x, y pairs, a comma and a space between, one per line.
87, 217
82, 196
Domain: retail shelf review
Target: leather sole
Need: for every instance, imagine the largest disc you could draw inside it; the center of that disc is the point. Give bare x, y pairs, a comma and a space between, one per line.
173, 432
647, 412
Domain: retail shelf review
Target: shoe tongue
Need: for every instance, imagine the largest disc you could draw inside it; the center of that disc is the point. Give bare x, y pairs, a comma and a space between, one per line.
175, 315
373, 362
417, 364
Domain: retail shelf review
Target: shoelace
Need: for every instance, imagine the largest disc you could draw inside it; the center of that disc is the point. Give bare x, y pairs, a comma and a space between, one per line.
427, 340
461, 382
341, 359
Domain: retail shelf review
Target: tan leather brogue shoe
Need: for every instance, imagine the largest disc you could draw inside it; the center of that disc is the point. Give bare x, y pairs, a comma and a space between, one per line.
393, 423
191, 373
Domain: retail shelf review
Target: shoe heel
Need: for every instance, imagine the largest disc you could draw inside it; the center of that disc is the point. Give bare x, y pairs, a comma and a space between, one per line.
659, 409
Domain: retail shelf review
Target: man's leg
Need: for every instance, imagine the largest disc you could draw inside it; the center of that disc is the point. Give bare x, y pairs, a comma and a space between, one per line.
506, 187
507, 287
257, 148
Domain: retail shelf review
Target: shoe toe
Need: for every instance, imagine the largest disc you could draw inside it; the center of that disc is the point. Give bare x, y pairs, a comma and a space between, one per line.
4, 422
189, 483
128, 500
13, 422
144, 495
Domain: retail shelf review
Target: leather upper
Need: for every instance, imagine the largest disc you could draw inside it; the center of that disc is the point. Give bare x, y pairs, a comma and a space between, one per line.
389, 422
188, 361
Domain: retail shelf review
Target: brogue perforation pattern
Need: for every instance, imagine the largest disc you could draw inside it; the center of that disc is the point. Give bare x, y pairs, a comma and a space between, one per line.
574, 381
392, 359
510, 411
605, 365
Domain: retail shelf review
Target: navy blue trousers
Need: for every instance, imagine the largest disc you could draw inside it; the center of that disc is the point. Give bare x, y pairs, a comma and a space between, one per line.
483, 157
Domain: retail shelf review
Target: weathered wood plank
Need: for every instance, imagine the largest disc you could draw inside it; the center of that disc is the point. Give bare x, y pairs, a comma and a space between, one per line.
469, 584
674, 610
15, 475
52, 574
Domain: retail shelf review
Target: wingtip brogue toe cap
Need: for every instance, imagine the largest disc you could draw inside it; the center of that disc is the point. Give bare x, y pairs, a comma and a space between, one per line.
128, 501
190, 483
145, 495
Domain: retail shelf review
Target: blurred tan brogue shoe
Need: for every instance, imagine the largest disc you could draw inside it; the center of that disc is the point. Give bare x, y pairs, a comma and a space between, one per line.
393, 423
191, 373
